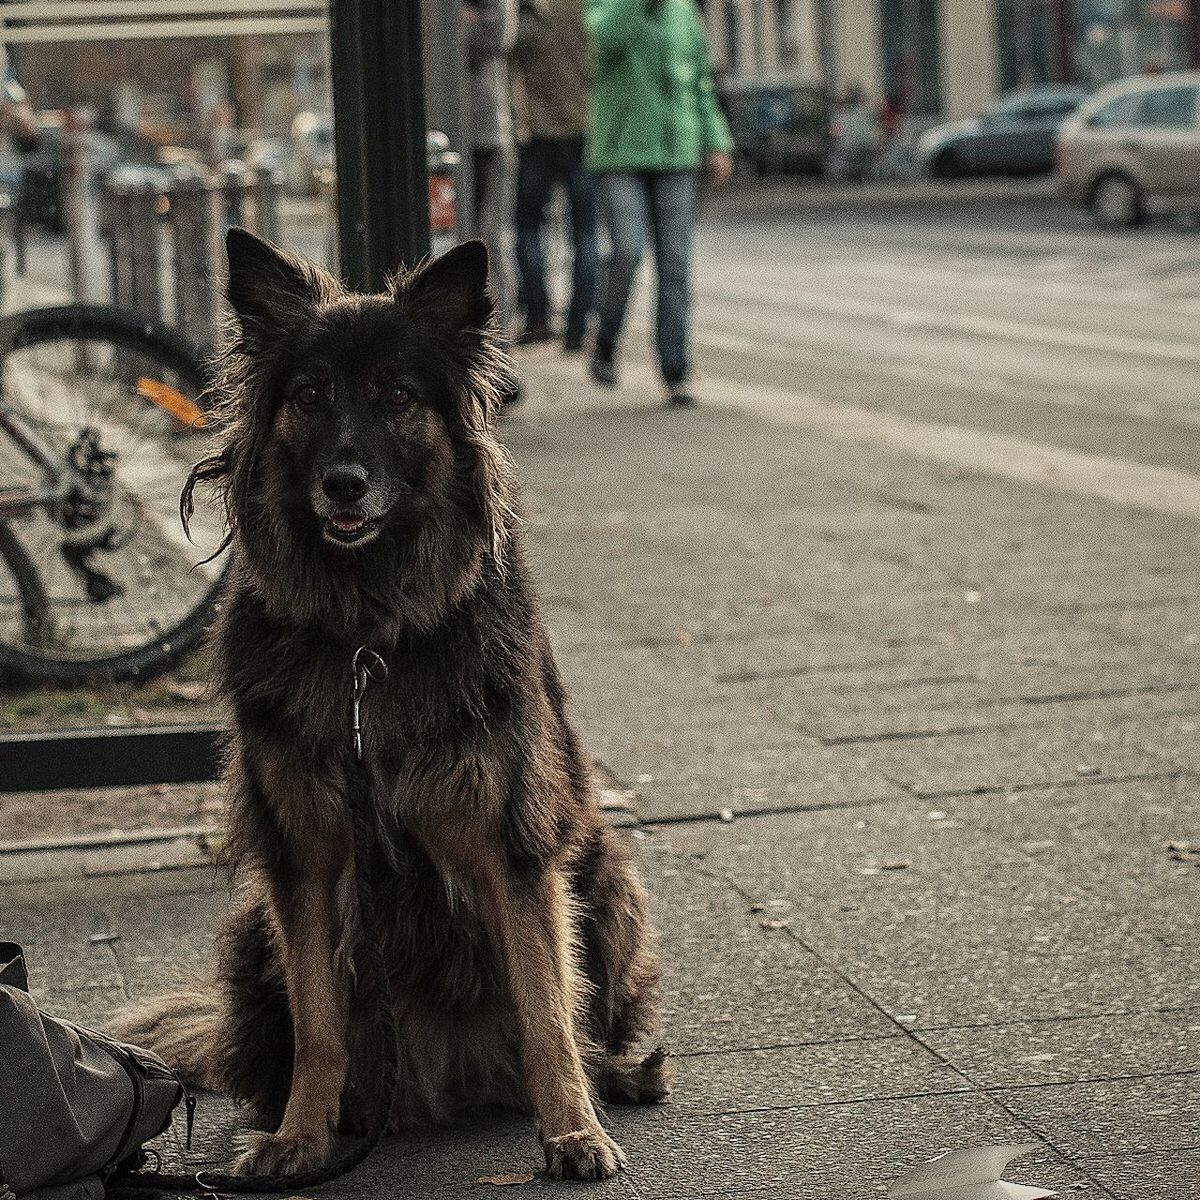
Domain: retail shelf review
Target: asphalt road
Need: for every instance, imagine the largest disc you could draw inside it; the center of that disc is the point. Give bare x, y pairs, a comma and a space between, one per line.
1015, 317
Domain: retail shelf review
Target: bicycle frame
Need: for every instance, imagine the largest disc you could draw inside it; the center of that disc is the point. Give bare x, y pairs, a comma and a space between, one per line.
61, 477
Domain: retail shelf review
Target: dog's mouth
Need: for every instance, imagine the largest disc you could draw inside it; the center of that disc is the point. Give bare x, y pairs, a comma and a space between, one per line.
348, 528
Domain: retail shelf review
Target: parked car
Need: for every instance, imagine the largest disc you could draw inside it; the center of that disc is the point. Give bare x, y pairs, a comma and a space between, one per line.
778, 123
1015, 138
1134, 148
42, 185
312, 137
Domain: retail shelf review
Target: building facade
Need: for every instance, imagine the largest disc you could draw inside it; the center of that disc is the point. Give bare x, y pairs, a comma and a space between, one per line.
951, 58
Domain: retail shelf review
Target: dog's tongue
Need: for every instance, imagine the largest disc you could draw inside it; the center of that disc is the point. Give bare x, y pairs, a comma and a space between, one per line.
348, 522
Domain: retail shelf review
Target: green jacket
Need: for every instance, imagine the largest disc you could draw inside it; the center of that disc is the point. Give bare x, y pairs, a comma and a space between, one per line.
653, 107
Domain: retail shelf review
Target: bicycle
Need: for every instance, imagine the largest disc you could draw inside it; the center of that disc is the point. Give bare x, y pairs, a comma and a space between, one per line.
102, 412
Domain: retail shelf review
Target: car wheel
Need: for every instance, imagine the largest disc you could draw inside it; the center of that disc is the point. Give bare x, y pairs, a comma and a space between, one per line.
1116, 202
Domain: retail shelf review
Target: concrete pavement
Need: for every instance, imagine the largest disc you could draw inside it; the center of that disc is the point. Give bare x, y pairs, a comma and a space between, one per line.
910, 744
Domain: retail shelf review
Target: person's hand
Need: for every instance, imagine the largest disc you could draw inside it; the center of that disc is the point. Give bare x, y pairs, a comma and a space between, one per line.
718, 166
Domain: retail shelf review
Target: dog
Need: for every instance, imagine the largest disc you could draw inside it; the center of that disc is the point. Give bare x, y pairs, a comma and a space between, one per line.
369, 503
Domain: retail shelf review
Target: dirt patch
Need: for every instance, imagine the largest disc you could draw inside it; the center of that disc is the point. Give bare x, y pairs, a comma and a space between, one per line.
181, 697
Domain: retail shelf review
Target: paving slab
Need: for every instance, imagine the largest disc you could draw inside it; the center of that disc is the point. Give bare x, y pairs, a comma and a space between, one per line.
1162, 1175
730, 984
1122, 1116
1104, 1046
938, 924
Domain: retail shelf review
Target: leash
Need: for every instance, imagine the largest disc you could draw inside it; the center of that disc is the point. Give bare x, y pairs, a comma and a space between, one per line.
365, 667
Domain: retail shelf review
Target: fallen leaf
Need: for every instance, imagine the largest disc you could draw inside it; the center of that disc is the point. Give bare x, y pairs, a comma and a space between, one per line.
504, 1180
726, 815
757, 907
684, 637
1087, 769
188, 690
1187, 852
774, 922
612, 800
895, 864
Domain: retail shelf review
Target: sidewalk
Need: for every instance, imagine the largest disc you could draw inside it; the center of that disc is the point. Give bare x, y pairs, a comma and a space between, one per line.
909, 745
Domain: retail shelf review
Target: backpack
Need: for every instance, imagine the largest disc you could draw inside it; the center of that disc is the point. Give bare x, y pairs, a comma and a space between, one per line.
75, 1106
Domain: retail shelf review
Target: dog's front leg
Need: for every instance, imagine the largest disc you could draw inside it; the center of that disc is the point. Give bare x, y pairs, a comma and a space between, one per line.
533, 925
305, 902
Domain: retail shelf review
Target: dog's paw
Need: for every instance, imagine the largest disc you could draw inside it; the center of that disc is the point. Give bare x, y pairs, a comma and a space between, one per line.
632, 1079
276, 1154
584, 1154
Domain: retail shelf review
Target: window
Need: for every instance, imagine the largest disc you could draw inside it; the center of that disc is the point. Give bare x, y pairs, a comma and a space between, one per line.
910, 44
1169, 108
1024, 42
1020, 109
1122, 110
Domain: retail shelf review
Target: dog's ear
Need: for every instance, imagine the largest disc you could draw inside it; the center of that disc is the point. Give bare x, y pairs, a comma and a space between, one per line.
453, 288
268, 289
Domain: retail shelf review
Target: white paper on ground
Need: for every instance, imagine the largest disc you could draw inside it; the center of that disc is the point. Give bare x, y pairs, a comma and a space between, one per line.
968, 1175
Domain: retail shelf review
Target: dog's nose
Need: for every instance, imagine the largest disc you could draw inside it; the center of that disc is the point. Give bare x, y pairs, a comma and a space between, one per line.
345, 484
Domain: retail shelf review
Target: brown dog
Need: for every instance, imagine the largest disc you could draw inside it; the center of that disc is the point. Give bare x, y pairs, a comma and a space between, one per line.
369, 503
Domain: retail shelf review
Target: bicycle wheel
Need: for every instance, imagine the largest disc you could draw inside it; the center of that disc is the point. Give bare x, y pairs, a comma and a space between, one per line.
115, 404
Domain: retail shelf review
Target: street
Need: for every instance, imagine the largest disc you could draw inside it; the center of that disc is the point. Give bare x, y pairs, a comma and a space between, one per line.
1018, 318
888, 658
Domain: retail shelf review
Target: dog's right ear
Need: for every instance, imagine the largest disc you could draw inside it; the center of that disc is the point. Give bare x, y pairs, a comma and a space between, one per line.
455, 287
268, 289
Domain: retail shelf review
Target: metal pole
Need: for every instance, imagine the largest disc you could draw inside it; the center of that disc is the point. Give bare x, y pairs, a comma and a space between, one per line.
80, 209
379, 132
448, 99
1063, 25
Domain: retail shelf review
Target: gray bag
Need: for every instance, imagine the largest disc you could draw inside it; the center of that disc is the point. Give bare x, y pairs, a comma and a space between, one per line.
75, 1106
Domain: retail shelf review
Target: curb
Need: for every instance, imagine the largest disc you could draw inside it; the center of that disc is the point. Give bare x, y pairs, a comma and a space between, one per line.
166, 850
790, 195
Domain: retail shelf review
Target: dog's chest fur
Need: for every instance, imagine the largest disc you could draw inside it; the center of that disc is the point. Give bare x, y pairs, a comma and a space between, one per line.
442, 745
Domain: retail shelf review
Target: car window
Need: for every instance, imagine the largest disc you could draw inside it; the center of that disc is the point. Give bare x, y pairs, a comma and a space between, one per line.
1017, 109
1121, 110
1169, 108
1062, 106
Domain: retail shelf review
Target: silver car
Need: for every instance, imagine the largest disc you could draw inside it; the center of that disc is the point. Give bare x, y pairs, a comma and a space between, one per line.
1134, 149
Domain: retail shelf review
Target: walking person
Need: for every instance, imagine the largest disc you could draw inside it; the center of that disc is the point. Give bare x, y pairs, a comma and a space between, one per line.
551, 81
655, 125
491, 29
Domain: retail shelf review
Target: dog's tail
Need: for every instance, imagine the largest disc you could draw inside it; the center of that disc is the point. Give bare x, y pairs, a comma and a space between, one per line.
183, 1028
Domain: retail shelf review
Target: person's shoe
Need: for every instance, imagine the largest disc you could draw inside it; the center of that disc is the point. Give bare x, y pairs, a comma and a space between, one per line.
535, 333
680, 394
572, 343
602, 367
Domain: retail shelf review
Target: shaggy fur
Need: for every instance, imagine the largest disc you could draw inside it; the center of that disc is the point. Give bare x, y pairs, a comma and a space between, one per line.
369, 503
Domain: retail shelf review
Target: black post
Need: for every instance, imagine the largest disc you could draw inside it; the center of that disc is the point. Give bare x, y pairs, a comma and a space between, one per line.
379, 136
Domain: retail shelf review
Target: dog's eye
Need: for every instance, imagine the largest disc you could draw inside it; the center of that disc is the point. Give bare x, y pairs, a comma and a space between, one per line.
400, 395
306, 395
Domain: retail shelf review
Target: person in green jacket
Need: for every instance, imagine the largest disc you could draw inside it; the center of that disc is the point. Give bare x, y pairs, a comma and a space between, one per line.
655, 125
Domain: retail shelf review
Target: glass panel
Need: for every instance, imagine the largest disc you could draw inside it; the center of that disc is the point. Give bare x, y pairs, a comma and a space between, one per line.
159, 123
1124, 110
911, 55
1024, 43
1115, 38
1169, 108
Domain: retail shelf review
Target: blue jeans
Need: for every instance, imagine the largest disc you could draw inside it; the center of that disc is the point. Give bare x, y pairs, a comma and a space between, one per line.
641, 207
544, 163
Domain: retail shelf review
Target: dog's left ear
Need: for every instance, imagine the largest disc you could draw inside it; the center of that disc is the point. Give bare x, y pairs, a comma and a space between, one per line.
454, 286
268, 289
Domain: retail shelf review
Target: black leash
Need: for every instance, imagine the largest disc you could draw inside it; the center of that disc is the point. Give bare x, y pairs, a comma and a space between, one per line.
367, 665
